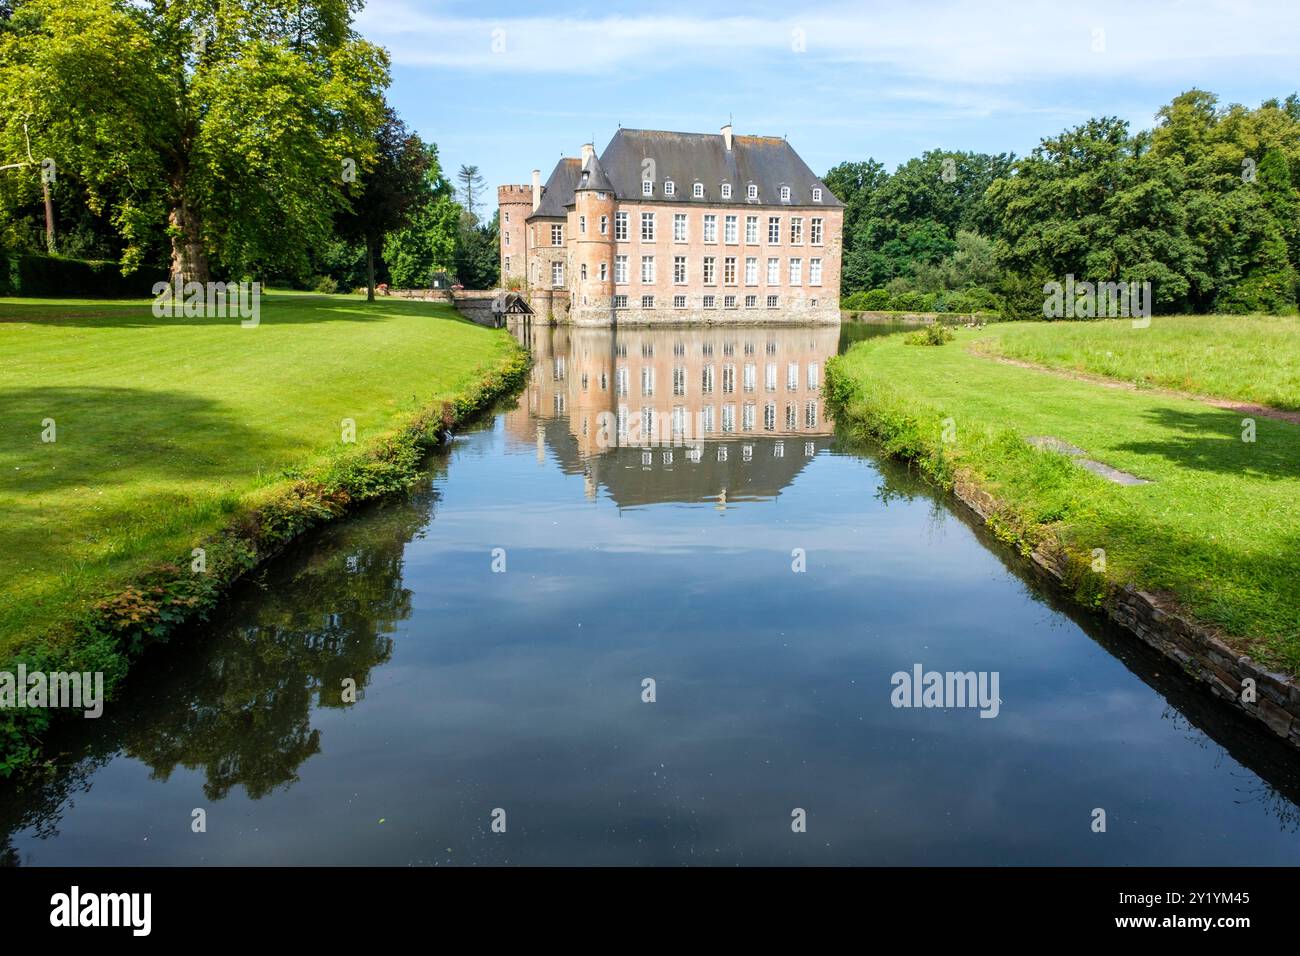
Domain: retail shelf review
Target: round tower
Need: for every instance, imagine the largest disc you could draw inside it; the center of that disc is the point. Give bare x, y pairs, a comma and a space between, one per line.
515, 204
593, 253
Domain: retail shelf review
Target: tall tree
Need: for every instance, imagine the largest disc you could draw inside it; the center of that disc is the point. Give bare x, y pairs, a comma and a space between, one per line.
389, 193
230, 127
471, 186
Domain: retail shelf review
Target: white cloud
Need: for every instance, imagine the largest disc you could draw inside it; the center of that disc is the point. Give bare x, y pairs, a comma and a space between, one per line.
999, 43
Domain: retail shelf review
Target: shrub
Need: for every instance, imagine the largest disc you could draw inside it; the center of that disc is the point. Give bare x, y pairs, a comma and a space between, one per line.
907, 302
326, 285
37, 275
936, 333
877, 300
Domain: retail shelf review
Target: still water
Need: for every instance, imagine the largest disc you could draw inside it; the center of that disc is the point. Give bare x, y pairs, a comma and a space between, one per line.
501, 622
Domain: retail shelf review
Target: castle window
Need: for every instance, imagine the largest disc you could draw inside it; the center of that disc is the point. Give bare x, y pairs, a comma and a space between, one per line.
669, 188
753, 191
751, 270
728, 301
706, 380
729, 270
751, 230
810, 415
791, 417
604, 272
815, 232
710, 228
604, 225
796, 230
731, 229
620, 226
774, 230
773, 271
785, 194
679, 227
813, 372
747, 425
728, 418
557, 275
506, 237
769, 373
796, 271
507, 215
710, 271
771, 302
751, 301
679, 270
583, 272
582, 225
507, 264
647, 269
817, 195
726, 190
648, 302
620, 270
620, 302
647, 227
791, 370
751, 372
557, 234
769, 423
698, 192
814, 272
709, 302
647, 187
679, 379
679, 302
600, 196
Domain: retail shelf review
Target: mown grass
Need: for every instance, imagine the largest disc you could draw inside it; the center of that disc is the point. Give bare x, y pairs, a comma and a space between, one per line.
1246, 358
1218, 528
166, 427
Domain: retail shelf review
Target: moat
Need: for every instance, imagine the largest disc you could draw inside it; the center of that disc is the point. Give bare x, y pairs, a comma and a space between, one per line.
765, 575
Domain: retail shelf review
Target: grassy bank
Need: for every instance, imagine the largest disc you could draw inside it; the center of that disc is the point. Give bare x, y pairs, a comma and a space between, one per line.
1218, 527
1246, 358
174, 434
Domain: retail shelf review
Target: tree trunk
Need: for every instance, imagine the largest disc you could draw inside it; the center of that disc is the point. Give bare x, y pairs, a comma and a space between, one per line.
370, 270
189, 257
49, 218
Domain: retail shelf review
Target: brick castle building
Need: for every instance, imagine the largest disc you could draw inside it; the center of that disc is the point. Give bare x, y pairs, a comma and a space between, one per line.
676, 227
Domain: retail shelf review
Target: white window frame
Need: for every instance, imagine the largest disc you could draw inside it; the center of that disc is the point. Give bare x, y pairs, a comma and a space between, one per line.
751, 270
620, 227
679, 227
753, 191
647, 270
679, 270
698, 191
711, 228
773, 271
620, 270
726, 190
773, 230
785, 194
796, 271
557, 274
557, 234
731, 229
670, 188
647, 187
647, 227
814, 272
816, 230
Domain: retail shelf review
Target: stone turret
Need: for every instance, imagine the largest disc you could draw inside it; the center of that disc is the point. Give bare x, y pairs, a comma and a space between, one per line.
593, 246
515, 204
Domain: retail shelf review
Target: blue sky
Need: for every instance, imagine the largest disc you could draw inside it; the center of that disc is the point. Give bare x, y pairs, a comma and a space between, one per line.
513, 86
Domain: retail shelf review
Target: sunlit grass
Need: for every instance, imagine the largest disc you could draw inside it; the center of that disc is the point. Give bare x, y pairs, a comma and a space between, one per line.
1247, 358
166, 426
1219, 525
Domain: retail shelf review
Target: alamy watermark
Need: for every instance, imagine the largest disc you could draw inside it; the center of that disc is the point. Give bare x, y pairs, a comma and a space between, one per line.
1098, 300
949, 689
177, 299
83, 691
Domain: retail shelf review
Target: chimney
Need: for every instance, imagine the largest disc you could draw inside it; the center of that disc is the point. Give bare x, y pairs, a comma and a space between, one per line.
537, 189
726, 136
588, 151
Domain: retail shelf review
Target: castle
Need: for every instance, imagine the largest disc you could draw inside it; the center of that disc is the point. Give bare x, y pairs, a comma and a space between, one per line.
668, 228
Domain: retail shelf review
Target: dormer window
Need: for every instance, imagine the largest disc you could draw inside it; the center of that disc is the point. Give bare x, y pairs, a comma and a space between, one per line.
669, 188
753, 191
647, 187
785, 194
726, 190
817, 195
699, 191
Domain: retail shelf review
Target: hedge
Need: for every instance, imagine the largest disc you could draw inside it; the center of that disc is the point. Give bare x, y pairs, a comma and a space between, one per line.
36, 275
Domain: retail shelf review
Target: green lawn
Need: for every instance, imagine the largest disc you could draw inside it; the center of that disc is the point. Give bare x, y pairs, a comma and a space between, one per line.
166, 426
1247, 358
1218, 527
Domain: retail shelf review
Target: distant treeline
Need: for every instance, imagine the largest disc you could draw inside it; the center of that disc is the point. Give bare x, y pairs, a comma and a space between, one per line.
1205, 207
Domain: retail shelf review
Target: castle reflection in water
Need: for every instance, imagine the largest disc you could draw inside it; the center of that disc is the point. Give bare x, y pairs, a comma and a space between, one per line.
676, 414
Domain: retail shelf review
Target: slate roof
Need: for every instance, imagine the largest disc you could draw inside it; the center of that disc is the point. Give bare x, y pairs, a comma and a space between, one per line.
768, 162
558, 191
